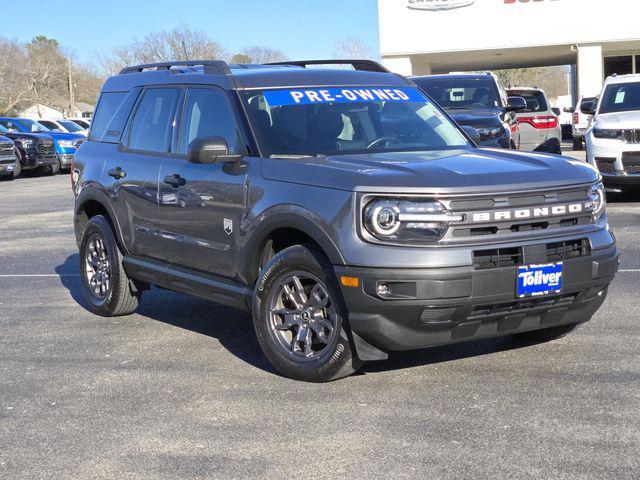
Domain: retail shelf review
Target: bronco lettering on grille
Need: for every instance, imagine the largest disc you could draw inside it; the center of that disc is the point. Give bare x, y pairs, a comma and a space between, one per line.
525, 213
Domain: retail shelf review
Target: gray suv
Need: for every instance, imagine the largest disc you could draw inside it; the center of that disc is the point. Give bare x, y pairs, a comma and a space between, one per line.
342, 207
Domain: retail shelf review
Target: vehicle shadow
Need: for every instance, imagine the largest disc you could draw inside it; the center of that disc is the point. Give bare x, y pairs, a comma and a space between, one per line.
231, 327
234, 329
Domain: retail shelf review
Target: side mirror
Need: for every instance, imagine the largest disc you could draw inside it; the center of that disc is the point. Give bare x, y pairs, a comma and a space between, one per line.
516, 104
569, 109
472, 133
588, 107
211, 150
556, 111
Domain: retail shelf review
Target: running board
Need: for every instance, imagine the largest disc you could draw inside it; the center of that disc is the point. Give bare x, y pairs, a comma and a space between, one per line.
187, 281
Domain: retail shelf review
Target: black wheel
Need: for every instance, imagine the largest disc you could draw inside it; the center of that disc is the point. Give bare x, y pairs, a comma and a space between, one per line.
546, 334
300, 318
577, 144
105, 284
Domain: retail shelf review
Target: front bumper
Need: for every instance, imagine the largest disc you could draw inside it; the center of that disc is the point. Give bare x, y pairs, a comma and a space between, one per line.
447, 305
496, 142
66, 159
617, 161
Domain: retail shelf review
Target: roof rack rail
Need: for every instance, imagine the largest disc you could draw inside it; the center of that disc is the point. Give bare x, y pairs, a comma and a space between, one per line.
362, 65
211, 67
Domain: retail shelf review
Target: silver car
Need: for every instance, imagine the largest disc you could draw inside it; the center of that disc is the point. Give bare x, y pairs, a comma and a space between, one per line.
539, 125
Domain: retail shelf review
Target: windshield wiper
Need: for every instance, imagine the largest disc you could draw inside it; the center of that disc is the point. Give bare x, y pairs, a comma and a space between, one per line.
295, 157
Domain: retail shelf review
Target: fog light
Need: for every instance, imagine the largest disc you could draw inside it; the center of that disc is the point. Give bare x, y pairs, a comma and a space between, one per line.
383, 289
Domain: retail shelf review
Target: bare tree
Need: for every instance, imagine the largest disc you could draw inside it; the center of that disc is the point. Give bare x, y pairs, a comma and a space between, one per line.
351, 48
181, 43
264, 55
552, 79
14, 78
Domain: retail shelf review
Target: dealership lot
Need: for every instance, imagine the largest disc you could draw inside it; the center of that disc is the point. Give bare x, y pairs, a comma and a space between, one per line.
181, 390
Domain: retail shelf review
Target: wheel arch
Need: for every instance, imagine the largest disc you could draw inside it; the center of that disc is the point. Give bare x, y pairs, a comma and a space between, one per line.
91, 202
285, 229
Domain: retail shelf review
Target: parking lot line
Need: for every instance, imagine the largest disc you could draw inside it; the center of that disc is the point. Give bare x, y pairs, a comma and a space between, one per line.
28, 275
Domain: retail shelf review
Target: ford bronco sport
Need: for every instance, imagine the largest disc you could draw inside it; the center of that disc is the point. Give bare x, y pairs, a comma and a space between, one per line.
342, 207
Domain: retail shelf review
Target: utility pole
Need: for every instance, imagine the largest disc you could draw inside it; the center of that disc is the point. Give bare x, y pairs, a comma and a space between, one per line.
72, 99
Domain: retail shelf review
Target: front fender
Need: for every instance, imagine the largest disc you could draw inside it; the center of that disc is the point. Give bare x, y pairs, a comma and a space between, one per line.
284, 216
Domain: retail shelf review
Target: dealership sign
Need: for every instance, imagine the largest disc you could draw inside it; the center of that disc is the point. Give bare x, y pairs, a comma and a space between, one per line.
439, 4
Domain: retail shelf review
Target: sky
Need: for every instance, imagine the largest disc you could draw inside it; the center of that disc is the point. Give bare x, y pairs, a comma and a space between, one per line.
302, 29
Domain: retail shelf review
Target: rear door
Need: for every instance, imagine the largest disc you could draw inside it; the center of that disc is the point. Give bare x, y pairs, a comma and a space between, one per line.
201, 205
131, 170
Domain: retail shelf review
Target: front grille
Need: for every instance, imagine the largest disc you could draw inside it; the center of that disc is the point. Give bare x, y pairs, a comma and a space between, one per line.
521, 306
45, 147
631, 136
606, 165
6, 149
568, 249
497, 258
631, 162
511, 257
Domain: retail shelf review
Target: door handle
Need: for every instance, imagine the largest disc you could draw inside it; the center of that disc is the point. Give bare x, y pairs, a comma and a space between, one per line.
117, 173
175, 180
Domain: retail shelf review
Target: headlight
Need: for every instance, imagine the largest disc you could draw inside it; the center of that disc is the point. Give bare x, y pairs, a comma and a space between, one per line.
67, 143
27, 142
597, 202
489, 131
407, 220
609, 134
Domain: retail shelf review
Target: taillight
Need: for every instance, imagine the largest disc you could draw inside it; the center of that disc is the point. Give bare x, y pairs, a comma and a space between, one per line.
576, 118
540, 122
515, 128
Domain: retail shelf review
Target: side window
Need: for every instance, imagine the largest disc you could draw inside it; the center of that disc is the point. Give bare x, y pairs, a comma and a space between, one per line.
107, 106
151, 126
207, 113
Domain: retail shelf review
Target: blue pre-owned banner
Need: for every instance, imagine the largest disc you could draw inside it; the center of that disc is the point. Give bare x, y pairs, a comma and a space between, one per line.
310, 96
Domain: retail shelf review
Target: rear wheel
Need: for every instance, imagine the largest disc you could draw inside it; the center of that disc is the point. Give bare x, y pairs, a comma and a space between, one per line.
300, 319
105, 284
546, 334
577, 144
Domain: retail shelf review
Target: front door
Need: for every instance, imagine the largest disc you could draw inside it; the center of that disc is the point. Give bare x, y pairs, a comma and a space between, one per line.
201, 205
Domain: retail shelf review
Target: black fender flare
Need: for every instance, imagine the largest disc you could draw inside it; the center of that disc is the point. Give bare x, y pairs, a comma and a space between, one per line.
95, 193
284, 216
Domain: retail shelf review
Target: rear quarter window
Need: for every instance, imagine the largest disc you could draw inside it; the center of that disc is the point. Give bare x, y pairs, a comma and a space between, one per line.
108, 105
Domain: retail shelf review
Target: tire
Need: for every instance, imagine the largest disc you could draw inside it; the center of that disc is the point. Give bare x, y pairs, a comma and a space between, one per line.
53, 169
577, 144
17, 170
546, 334
100, 257
323, 352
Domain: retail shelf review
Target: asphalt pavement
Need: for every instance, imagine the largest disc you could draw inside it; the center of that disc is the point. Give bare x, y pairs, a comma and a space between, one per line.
180, 390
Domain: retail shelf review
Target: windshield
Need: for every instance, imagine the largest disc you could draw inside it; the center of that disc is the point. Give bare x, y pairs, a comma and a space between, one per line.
3, 129
70, 126
333, 121
31, 125
623, 97
459, 93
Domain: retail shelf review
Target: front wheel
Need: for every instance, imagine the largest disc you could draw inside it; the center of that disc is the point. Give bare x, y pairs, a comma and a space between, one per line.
577, 144
546, 334
300, 319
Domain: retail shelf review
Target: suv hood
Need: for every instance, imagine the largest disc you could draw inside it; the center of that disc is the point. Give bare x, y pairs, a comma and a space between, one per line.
65, 136
619, 120
442, 171
476, 117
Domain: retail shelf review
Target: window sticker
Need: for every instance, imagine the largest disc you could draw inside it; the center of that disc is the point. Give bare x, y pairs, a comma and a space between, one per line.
309, 96
620, 96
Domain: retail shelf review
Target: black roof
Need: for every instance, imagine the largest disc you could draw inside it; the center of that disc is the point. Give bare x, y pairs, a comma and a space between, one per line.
288, 74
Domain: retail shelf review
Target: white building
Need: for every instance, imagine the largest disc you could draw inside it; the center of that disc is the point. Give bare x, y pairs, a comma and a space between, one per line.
599, 37
39, 110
